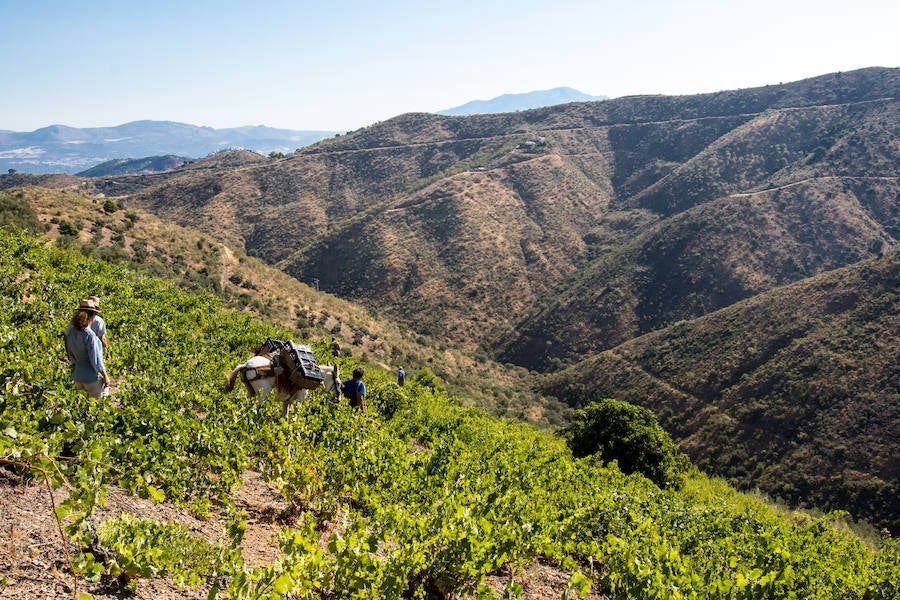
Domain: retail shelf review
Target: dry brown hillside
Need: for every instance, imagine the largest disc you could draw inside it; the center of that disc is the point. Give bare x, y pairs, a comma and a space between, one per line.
540, 235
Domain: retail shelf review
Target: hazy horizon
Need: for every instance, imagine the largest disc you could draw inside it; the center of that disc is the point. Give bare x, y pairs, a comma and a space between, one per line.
337, 67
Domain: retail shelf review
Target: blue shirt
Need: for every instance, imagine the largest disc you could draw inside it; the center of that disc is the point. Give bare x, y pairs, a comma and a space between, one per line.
351, 388
86, 351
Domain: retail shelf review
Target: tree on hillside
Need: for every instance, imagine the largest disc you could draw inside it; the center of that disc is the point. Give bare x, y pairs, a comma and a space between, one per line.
68, 228
629, 434
876, 247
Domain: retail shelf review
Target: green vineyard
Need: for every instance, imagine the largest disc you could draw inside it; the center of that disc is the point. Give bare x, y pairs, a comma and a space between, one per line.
418, 497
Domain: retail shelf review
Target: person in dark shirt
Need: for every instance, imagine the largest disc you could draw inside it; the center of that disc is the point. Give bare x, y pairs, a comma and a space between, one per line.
355, 390
401, 377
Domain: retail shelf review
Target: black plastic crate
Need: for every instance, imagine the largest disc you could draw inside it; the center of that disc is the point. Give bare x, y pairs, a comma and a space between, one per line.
301, 365
271, 346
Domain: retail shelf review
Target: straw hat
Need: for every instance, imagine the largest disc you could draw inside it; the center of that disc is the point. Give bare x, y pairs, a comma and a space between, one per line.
89, 305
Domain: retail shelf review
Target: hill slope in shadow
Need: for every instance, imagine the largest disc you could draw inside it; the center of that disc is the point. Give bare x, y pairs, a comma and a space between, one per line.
795, 391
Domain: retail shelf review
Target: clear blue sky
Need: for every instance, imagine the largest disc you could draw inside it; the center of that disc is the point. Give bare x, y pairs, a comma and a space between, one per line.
338, 65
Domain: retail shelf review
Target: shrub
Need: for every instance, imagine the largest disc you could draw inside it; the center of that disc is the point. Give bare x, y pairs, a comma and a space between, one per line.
629, 434
112, 254
387, 399
18, 213
427, 378
67, 227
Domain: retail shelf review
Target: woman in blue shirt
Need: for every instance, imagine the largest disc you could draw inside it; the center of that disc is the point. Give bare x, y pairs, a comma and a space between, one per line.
85, 351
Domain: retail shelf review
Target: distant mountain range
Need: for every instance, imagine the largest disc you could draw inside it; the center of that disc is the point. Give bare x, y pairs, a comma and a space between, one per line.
135, 166
62, 149
140, 146
526, 101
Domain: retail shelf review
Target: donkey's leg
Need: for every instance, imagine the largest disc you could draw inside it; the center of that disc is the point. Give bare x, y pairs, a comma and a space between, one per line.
286, 406
263, 387
298, 397
232, 377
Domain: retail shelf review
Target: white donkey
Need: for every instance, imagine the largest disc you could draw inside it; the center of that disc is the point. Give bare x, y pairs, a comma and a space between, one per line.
261, 374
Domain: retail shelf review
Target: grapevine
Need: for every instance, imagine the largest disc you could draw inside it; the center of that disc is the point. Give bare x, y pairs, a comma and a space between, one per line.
418, 497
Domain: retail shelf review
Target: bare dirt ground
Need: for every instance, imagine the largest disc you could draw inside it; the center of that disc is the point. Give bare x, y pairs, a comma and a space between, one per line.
33, 563
34, 566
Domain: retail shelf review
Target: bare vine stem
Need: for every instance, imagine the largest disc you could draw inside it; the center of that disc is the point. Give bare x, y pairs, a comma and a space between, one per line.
59, 528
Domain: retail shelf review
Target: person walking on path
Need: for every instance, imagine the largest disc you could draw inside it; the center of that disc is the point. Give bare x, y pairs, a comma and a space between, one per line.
85, 351
355, 390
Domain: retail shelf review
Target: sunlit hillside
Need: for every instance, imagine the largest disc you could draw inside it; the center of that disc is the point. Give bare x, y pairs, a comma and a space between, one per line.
415, 498
493, 249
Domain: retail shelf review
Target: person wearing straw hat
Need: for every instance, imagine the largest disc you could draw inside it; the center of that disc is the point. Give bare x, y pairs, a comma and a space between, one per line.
85, 351
98, 325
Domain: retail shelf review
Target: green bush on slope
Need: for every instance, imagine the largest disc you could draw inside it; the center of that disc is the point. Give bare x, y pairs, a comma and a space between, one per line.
631, 435
16, 213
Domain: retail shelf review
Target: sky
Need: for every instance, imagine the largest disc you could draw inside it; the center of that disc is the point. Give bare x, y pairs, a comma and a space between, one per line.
338, 65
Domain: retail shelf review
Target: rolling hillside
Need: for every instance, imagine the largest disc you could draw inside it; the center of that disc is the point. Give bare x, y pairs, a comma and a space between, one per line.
544, 237
705, 258
499, 230
101, 228
124, 166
